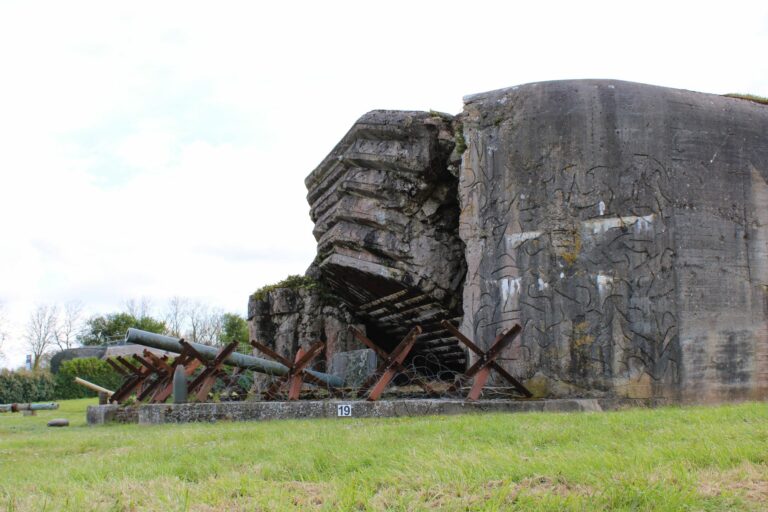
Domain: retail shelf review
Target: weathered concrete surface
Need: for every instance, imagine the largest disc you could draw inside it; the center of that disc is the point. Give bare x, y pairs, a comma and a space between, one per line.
354, 366
111, 413
75, 353
386, 215
625, 227
288, 319
306, 409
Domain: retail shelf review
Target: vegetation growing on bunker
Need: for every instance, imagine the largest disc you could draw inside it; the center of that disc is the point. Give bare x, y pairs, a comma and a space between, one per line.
749, 97
292, 282
461, 143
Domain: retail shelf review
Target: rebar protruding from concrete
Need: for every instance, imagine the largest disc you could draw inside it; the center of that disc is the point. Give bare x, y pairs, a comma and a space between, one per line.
179, 385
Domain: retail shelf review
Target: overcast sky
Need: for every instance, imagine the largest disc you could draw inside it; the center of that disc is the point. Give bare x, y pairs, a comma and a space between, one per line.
159, 148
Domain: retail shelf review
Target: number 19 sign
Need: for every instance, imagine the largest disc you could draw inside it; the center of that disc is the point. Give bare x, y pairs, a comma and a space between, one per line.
344, 410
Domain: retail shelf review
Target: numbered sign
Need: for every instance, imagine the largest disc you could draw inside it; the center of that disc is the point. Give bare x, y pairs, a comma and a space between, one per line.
344, 410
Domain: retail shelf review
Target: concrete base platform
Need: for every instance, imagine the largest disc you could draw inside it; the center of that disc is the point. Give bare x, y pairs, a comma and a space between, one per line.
258, 411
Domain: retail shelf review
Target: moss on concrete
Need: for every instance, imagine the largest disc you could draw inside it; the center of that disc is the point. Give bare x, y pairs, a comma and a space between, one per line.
749, 97
293, 282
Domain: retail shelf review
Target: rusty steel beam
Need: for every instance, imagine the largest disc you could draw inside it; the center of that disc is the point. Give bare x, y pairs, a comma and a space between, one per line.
393, 363
486, 361
297, 372
385, 358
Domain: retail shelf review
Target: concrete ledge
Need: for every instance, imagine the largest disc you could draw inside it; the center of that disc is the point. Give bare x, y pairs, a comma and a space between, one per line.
101, 414
259, 411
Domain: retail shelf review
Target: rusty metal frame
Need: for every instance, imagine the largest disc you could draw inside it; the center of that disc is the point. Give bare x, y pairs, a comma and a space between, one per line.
165, 388
203, 383
297, 373
486, 362
153, 376
119, 369
136, 377
385, 358
391, 364
158, 369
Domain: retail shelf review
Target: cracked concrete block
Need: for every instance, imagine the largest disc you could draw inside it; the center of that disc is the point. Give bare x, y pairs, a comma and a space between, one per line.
354, 366
288, 319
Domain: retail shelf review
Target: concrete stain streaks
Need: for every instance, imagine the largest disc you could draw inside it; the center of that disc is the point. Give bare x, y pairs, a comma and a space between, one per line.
623, 225
662, 267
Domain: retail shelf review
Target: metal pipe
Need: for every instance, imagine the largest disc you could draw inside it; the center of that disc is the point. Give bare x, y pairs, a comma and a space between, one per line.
28, 407
247, 362
94, 387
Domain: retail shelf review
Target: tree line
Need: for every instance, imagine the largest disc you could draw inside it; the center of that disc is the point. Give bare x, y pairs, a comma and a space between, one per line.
54, 327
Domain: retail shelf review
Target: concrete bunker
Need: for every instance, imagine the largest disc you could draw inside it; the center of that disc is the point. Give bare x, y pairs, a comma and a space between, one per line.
622, 225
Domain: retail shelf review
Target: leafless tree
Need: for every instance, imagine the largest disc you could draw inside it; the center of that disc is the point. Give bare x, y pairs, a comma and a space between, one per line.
176, 315
141, 308
204, 324
194, 320
69, 325
41, 331
214, 327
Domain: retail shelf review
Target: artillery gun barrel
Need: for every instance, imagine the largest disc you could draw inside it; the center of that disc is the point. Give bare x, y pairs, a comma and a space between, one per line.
28, 407
246, 362
92, 386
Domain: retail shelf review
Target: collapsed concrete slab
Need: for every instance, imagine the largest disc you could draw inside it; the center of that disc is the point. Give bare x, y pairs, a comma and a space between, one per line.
386, 214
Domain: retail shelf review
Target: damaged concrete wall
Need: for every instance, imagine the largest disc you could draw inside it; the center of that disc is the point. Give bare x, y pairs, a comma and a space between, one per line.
286, 319
386, 213
624, 226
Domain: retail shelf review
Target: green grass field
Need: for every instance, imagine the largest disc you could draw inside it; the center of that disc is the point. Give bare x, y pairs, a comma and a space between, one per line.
699, 458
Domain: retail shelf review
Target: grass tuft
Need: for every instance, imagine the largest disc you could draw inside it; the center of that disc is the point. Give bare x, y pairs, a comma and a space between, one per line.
748, 97
293, 282
440, 115
458, 135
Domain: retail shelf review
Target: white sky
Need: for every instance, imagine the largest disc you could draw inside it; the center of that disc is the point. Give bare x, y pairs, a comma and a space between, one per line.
159, 148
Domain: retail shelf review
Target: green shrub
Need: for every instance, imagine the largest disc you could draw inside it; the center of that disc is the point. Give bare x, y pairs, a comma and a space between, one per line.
440, 115
458, 134
91, 369
23, 386
74, 353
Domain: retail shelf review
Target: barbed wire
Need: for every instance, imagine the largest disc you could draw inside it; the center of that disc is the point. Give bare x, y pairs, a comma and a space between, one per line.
423, 375
444, 380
